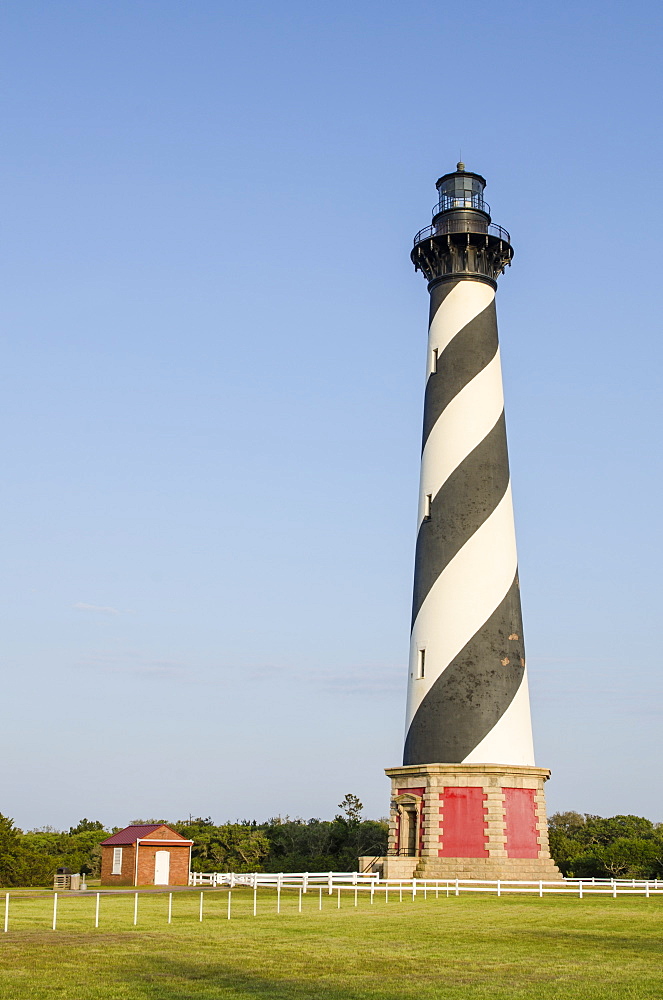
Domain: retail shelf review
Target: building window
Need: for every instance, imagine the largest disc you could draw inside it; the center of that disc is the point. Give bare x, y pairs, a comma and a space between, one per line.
427, 506
421, 663
433, 361
117, 861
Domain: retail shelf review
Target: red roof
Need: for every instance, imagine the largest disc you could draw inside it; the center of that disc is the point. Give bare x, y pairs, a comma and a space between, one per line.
133, 833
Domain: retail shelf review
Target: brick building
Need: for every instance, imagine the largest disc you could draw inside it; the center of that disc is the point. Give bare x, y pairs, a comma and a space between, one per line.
151, 854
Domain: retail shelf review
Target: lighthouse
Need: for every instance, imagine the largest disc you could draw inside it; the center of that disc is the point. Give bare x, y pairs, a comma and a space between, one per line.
468, 800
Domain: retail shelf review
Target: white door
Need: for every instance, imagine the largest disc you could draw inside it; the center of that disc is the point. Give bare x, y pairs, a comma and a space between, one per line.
161, 867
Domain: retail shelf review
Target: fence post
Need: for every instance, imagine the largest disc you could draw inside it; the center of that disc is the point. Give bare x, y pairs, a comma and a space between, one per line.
614, 889
647, 889
170, 907
135, 909
386, 892
305, 881
499, 888
278, 897
425, 887
201, 907
541, 889
437, 889
320, 901
457, 890
255, 900
55, 910
230, 896
414, 888
300, 899
580, 888
331, 876
232, 880
6, 912
96, 911
400, 893
339, 898
355, 893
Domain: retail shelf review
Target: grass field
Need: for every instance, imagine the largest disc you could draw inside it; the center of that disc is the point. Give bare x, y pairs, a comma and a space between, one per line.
469, 947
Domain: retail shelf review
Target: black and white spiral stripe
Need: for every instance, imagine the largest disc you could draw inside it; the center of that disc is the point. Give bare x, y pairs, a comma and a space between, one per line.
471, 704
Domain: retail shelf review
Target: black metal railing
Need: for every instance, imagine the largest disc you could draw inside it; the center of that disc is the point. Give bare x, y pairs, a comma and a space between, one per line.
448, 202
448, 226
402, 852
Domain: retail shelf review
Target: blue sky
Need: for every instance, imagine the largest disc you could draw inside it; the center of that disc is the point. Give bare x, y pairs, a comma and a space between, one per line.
213, 362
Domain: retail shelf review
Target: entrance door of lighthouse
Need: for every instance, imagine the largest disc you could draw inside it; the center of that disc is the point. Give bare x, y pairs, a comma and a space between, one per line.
161, 867
409, 839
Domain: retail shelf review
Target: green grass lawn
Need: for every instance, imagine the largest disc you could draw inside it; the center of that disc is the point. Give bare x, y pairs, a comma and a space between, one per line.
468, 947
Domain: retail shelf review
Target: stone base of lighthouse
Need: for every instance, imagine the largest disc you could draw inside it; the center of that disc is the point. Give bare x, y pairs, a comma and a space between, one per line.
473, 821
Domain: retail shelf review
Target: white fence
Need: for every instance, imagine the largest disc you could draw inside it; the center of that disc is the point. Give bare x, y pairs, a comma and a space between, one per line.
283, 879
374, 884
371, 888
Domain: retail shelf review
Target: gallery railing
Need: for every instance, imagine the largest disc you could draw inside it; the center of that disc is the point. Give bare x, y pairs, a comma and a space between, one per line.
448, 226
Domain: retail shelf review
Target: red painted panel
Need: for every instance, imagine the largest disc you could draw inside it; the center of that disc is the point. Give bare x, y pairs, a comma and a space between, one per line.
521, 827
463, 823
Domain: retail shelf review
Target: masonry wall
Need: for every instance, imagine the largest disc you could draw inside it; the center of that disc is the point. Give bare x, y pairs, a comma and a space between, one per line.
128, 865
480, 820
179, 863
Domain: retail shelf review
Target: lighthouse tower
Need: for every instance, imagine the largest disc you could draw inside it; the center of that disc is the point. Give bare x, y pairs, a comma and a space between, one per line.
468, 800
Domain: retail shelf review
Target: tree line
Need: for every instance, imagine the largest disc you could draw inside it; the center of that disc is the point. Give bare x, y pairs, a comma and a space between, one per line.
583, 845
279, 844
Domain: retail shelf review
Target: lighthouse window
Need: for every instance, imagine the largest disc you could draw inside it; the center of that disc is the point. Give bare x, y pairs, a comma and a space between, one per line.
461, 191
427, 506
433, 361
421, 663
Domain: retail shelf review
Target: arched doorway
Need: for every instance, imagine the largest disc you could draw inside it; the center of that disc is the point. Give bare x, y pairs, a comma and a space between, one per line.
409, 823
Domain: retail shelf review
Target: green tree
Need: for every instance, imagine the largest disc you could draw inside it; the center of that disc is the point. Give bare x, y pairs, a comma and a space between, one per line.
10, 847
85, 826
599, 830
622, 846
568, 823
239, 847
351, 808
634, 857
18, 864
565, 831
